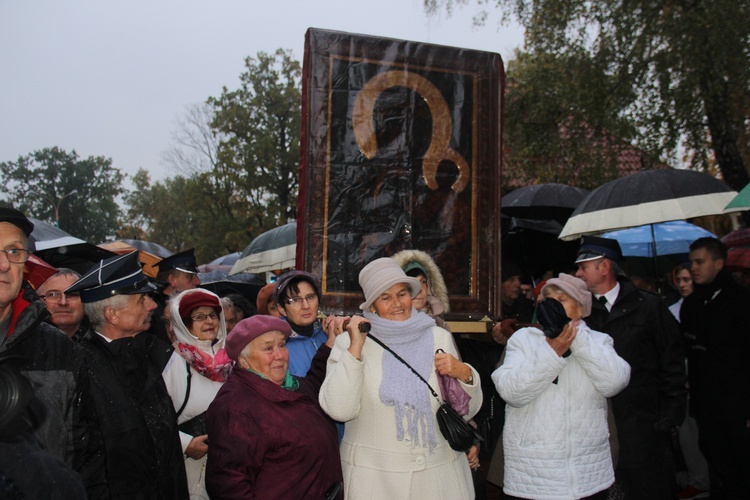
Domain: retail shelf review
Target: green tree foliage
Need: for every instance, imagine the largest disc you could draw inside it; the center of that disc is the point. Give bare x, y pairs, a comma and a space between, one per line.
679, 71
238, 155
37, 182
183, 212
555, 133
260, 123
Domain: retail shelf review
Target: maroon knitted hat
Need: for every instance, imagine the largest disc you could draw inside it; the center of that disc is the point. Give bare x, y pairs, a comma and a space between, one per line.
195, 299
250, 329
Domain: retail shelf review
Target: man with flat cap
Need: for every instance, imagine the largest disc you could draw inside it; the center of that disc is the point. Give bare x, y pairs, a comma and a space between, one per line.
48, 358
646, 335
177, 273
136, 417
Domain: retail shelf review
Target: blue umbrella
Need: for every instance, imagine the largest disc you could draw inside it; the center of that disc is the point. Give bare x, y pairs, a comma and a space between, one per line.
669, 238
657, 242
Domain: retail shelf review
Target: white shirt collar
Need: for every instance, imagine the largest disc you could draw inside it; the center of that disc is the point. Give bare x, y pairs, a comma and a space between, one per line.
611, 296
102, 336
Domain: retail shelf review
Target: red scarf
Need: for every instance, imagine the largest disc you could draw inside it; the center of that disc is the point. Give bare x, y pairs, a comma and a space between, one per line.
215, 368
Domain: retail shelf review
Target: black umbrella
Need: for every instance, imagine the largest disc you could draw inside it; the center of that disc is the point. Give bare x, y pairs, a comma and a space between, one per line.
648, 197
543, 202
246, 284
60, 249
535, 247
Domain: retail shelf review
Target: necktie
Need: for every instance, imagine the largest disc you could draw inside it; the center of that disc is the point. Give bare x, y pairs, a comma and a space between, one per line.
603, 301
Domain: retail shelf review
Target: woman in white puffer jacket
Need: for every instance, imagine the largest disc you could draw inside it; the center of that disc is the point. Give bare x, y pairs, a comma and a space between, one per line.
556, 438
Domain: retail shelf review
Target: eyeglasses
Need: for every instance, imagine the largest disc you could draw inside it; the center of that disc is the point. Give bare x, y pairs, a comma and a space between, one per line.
54, 296
203, 317
16, 255
297, 301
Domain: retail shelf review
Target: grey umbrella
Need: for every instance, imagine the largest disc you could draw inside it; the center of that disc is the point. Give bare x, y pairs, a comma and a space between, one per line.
272, 250
150, 247
223, 263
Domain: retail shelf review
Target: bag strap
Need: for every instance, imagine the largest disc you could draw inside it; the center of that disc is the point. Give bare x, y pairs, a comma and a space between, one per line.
187, 391
381, 344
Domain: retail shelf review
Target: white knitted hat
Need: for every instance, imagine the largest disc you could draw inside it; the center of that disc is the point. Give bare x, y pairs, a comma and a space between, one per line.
381, 274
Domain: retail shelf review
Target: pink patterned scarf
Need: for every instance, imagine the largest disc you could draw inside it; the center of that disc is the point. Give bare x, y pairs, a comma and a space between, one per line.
215, 368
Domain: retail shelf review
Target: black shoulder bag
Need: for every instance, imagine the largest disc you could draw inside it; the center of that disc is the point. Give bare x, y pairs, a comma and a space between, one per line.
458, 432
196, 426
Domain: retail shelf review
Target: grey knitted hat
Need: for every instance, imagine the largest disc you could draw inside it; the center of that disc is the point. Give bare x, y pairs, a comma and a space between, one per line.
381, 274
573, 287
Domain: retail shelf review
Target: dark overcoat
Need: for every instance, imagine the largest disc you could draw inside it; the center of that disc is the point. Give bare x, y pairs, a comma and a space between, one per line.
143, 454
647, 336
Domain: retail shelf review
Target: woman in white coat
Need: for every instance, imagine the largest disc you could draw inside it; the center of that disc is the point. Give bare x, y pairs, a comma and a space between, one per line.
198, 368
556, 438
392, 447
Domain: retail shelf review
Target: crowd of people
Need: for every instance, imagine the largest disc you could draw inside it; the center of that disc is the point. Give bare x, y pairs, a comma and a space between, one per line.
138, 388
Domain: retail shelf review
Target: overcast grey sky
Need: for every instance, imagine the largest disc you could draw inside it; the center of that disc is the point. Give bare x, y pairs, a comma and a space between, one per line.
111, 77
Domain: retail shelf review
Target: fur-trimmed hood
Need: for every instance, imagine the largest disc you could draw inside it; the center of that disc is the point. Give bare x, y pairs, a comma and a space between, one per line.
434, 276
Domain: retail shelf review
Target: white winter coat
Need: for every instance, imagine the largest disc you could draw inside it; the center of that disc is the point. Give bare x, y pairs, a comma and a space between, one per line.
556, 439
375, 464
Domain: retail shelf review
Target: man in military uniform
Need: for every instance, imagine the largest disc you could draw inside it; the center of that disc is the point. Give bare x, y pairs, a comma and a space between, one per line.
136, 417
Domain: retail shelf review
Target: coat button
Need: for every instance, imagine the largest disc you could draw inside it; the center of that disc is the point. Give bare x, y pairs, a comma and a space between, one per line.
420, 460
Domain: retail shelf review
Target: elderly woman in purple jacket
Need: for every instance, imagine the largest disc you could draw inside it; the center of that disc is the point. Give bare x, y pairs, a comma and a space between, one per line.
269, 437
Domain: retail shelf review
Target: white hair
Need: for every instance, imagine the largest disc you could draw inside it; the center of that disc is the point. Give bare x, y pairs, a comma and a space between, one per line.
95, 310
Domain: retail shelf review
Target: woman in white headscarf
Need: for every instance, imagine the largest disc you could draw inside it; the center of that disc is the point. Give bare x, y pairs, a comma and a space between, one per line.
194, 374
392, 447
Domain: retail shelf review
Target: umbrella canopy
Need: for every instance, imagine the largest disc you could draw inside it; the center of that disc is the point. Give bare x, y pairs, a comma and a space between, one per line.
226, 260
246, 284
671, 238
272, 250
741, 201
46, 235
648, 197
60, 249
148, 260
223, 263
738, 238
738, 258
36, 271
543, 201
513, 225
738, 249
150, 247
656, 248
